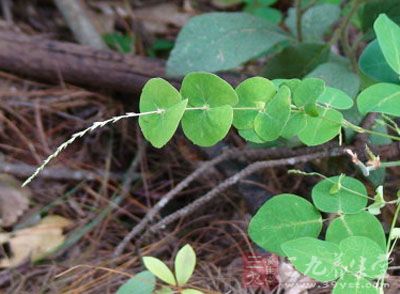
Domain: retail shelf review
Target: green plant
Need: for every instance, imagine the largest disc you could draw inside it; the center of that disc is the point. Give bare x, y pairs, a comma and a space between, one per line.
264, 110
355, 250
145, 282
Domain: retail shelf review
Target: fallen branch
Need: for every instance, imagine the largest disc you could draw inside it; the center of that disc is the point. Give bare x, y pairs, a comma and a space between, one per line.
202, 170
56, 62
384, 150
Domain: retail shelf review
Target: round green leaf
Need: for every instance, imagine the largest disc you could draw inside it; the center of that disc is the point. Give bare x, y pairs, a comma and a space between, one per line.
270, 122
360, 224
142, 283
285, 217
205, 127
349, 197
335, 98
388, 35
159, 128
159, 269
297, 122
253, 92
322, 128
363, 257
351, 284
373, 64
308, 91
382, 97
185, 261
314, 258
251, 136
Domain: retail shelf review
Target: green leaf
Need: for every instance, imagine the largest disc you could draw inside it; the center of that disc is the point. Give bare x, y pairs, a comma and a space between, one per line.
388, 35
270, 14
360, 224
191, 291
351, 197
382, 97
338, 76
159, 94
159, 269
164, 290
206, 127
335, 98
253, 92
122, 43
185, 261
142, 283
316, 21
297, 122
315, 258
373, 64
285, 217
351, 284
270, 122
323, 128
362, 256
251, 136
371, 10
308, 91
220, 41
379, 202
296, 61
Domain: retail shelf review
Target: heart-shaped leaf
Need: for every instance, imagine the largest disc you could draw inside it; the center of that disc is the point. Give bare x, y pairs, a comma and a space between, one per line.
388, 35
350, 195
285, 217
297, 122
270, 122
322, 128
360, 224
158, 94
308, 91
253, 93
363, 257
335, 98
373, 64
317, 259
215, 98
382, 97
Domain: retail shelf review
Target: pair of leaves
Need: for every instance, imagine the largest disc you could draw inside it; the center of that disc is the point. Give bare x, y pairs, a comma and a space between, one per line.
185, 262
206, 125
355, 260
382, 97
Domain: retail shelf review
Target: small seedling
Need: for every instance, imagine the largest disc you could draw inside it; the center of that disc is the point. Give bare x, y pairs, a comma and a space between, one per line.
145, 282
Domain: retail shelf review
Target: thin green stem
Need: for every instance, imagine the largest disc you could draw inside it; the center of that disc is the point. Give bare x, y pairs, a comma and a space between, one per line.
359, 129
299, 14
344, 23
390, 163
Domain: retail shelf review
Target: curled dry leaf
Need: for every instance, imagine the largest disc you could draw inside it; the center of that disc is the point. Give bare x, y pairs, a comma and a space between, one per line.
14, 200
33, 243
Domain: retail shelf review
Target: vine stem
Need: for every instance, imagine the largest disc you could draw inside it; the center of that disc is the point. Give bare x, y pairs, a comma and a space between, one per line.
82, 133
115, 119
299, 14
